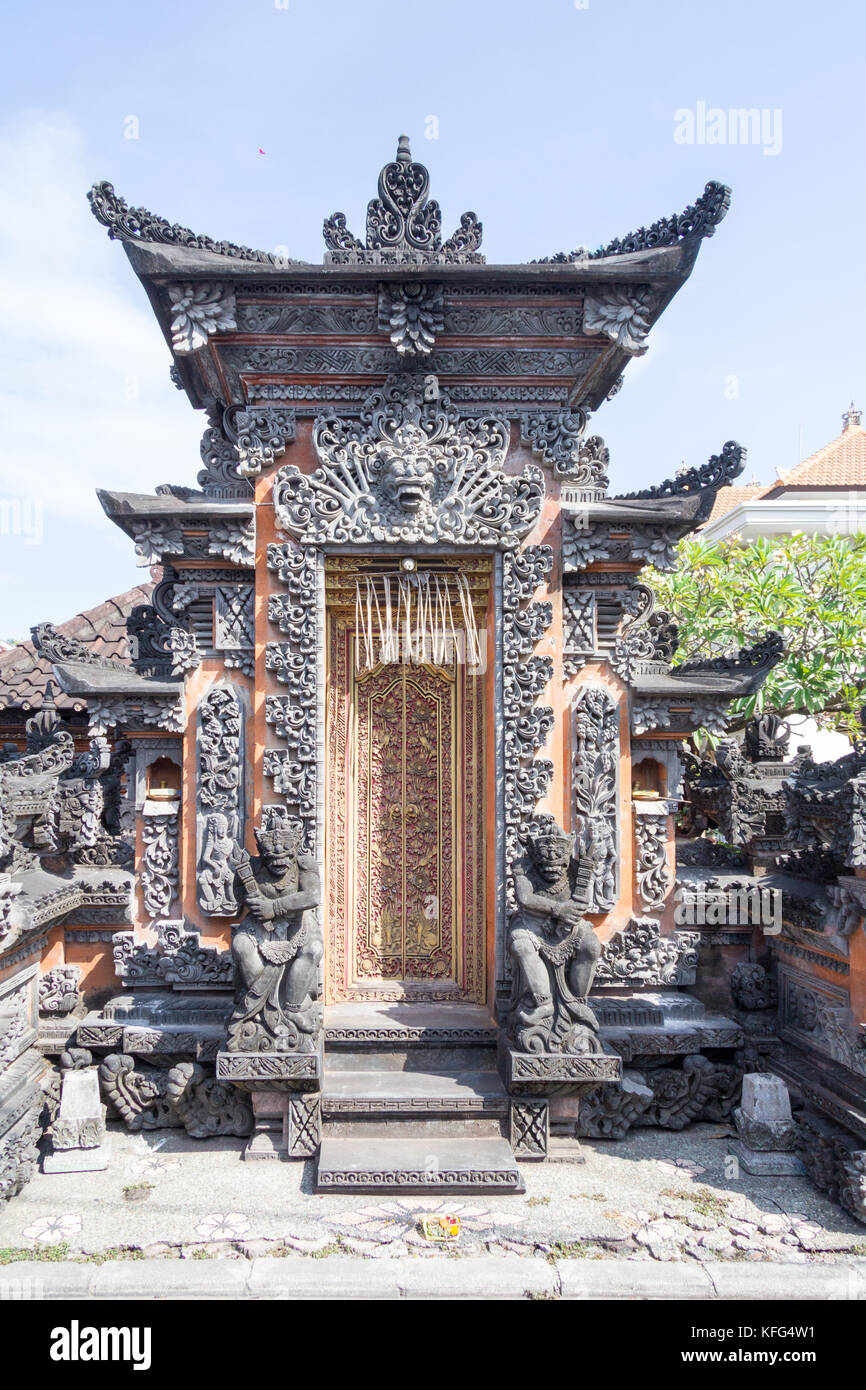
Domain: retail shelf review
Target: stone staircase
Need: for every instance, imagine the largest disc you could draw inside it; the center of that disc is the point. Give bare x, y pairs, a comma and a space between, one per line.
412, 1101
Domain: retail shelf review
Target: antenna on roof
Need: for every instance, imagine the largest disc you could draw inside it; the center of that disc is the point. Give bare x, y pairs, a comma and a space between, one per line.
851, 417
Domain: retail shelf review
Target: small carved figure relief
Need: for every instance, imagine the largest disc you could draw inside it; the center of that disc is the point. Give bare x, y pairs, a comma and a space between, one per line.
216, 867
553, 947
277, 947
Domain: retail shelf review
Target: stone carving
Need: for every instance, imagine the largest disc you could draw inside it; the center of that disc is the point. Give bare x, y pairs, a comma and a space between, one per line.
277, 948
752, 987
58, 989
666, 1097
641, 955
525, 725
58, 647
648, 713
139, 1096
263, 434
148, 1097
552, 945
19, 1154
610, 1112
819, 1014
700, 219
410, 470
578, 628
197, 310
583, 546
623, 315
159, 865
137, 224
652, 875
184, 648
234, 540
221, 758
155, 539
595, 772
219, 476
720, 469
834, 1160
303, 1125
530, 1127
647, 643
165, 713
402, 225
205, 1106
293, 662
766, 738
411, 315
234, 620
556, 437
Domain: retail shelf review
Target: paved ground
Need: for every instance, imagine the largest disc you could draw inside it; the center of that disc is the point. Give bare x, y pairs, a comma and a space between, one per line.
655, 1197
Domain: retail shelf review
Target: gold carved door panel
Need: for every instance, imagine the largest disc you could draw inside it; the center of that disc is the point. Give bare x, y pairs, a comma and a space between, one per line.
405, 833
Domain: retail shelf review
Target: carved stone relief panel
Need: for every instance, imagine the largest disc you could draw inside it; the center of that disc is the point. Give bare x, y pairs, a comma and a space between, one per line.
220, 796
595, 776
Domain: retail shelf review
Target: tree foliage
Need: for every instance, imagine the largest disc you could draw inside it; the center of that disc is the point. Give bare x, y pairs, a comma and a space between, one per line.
726, 594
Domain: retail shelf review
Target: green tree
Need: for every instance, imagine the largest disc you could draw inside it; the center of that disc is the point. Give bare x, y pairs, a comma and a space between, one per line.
812, 589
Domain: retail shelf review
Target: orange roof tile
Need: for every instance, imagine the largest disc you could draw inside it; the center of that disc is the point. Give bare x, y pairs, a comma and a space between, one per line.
841, 463
729, 497
24, 674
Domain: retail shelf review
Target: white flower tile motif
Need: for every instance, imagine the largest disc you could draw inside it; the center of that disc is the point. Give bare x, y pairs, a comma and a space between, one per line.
53, 1230
231, 1226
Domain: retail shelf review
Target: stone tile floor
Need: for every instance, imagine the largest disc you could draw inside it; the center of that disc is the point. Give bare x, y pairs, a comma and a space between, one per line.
656, 1195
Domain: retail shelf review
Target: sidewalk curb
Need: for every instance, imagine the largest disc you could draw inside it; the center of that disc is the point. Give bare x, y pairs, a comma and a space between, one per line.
472, 1277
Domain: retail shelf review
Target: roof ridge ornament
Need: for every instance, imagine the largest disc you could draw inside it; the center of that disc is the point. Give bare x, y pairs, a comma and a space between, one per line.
715, 473
699, 219
403, 224
138, 225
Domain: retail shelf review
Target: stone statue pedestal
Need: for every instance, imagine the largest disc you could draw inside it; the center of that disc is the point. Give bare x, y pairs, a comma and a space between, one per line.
78, 1135
766, 1129
286, 1099
545, 1089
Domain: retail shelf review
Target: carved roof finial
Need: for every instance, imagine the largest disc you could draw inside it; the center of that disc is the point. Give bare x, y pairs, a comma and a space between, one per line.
851, 417
404, 225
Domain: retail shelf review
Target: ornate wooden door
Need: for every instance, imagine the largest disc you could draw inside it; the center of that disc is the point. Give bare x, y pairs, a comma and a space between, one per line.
405, 833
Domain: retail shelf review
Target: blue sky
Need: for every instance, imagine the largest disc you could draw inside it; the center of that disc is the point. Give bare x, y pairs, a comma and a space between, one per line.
556, 124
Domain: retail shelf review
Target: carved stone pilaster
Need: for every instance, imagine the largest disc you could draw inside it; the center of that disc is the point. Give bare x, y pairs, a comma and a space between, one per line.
653, 878
221, 758
159, 864
293, 716
595, 775
525, 724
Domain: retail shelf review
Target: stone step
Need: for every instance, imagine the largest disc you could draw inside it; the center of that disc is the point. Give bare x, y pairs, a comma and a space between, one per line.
414, 1058
416, 1094
378, 1025
446, 1165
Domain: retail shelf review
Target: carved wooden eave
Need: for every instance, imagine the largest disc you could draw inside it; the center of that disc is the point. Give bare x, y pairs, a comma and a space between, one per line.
657, 274
84, 679
51, 897
176, 523
202, 290
124, 508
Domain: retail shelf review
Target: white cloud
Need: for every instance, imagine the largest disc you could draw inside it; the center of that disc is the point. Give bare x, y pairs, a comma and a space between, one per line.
86, 401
